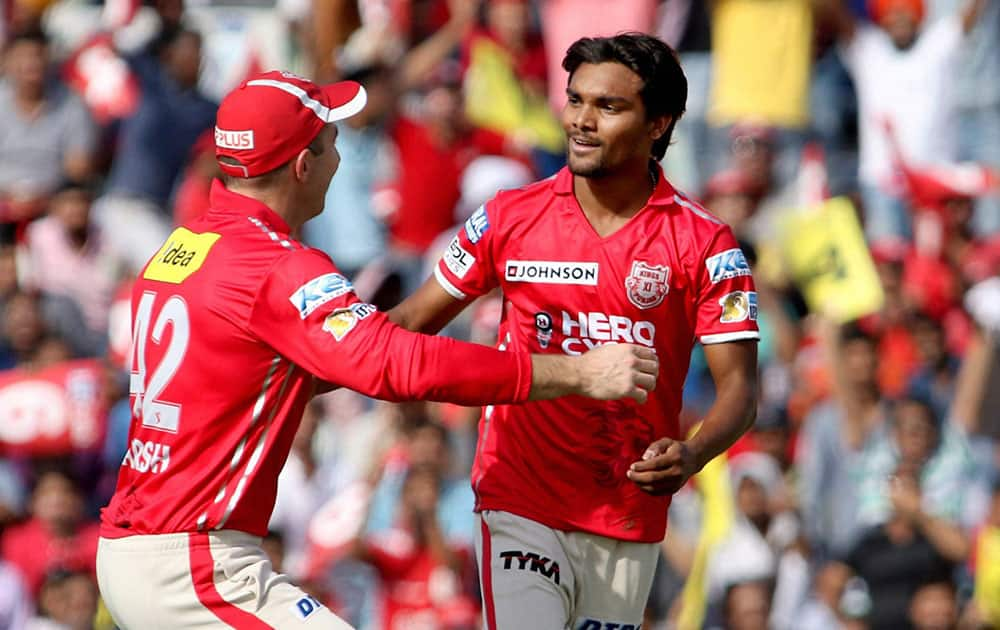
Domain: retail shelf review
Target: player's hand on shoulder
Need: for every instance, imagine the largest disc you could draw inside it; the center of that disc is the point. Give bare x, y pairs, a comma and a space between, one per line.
614, 371
664, 468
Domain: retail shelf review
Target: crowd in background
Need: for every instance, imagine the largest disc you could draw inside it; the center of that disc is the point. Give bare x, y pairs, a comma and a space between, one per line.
867, 493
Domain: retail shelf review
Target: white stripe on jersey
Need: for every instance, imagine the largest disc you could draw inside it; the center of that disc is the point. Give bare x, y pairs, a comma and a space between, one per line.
255, 457
707, 340
274, 236
695, 208
258, 408
452, 290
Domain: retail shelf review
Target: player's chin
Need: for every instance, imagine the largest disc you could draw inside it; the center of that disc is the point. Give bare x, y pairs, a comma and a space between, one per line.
585, 167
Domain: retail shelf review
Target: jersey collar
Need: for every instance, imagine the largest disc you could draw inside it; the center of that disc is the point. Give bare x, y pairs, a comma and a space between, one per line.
224, 200
663, 193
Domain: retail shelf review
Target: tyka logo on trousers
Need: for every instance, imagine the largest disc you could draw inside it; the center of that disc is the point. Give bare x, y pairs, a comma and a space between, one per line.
530, 561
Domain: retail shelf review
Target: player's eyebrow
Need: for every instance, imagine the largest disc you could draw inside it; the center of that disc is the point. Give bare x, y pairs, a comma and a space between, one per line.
601, 99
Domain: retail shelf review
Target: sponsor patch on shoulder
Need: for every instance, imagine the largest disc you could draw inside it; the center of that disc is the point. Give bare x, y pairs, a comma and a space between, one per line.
728, 264
183, 254
318, 292
457, 259
477, 224
738, 306
343, 320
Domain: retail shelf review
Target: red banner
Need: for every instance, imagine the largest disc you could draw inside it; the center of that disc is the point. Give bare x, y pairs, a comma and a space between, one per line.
54, 411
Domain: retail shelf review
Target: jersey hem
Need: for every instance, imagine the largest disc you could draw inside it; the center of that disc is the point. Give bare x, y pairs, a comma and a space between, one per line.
641, 534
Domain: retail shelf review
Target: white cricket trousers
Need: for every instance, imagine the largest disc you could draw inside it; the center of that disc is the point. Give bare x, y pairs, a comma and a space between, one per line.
537, 578
201, 580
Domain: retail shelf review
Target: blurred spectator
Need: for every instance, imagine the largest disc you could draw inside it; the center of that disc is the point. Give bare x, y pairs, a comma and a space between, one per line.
761, 84
937, 453
833, 437
69, 257
56, 535
822, 610
191, 200
977, 97
911, 549
505, 83
733, 196
15, 606
68, 601
350, 229
434, 149
565, 21
748, 605
46, 133
424, 573
758, 547
935, 374
154, 145
903, 74
686, 26
934, 607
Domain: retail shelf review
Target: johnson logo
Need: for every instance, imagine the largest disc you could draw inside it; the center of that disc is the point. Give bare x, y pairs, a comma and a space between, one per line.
552, 272
235, 140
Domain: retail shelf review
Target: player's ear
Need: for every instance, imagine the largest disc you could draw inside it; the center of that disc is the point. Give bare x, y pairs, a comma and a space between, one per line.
658, 126
302, 165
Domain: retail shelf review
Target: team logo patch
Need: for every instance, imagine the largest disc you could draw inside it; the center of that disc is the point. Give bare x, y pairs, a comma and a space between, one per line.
647, 285
318, 291
738, 306
728, 264
457, 259
551, 272
543, 329
183, 254
476, 225
343, 320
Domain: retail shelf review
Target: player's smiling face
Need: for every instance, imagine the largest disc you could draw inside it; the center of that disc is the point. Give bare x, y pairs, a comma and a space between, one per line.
605, 121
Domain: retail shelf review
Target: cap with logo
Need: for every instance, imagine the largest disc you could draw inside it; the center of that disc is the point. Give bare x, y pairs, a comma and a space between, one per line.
266, 120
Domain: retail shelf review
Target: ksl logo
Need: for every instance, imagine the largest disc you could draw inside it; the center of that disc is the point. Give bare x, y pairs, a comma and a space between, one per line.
597, 624
538, 564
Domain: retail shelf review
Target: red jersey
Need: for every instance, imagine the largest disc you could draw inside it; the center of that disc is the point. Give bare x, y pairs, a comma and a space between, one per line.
232, 319
672, 275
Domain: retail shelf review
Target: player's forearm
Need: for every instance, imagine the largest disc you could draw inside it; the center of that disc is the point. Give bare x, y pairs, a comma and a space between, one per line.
553, 376
730, 417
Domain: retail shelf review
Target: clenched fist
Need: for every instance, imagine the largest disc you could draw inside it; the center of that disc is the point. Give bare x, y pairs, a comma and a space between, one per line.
614, 371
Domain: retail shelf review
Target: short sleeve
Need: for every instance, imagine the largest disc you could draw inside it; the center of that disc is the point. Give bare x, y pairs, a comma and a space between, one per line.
726, 298
466, 269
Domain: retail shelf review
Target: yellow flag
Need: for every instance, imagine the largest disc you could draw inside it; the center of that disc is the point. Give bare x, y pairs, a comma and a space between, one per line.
827, 257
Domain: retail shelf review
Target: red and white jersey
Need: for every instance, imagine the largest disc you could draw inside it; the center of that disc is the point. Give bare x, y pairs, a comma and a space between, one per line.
672, 275
231, 321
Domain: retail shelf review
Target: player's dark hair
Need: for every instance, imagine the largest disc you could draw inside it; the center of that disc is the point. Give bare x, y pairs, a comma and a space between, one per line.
664, 89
